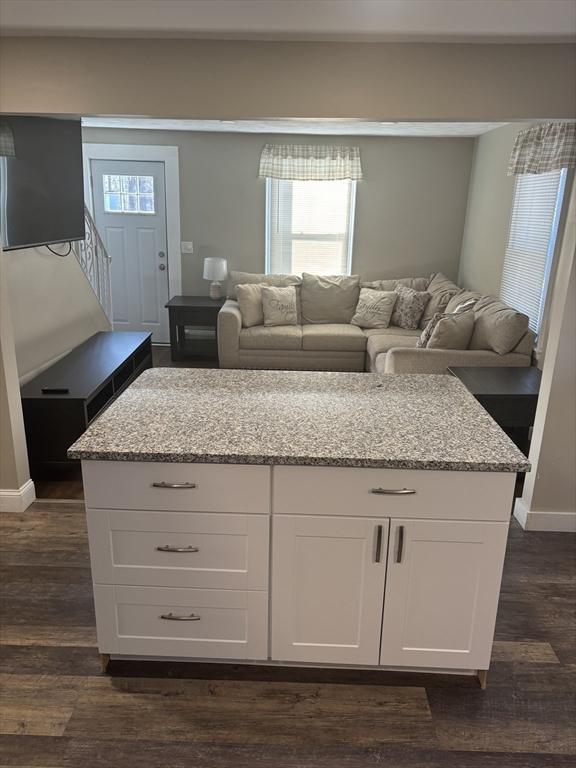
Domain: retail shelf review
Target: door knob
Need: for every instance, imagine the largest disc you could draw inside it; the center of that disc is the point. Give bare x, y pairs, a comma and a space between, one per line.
162, 267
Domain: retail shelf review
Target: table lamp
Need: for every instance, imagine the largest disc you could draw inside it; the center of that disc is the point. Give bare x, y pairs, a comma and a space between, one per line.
215, 269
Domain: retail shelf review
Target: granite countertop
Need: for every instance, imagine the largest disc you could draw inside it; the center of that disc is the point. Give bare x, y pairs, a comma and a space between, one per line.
290, 417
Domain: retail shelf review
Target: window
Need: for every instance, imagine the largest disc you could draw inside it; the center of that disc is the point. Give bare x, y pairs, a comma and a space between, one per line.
128, 194
531, 242
309, 226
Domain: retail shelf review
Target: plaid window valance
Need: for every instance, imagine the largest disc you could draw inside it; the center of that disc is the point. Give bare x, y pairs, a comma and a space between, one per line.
544, 148
310, 163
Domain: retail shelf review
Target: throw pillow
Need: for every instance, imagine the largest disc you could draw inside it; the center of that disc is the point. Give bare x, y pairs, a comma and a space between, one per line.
409, 307
452, 331
329, 299
428, 331
279, 305
374, 308
249, 299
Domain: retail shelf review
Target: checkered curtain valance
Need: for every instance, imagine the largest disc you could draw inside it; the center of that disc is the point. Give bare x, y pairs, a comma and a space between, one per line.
544, 148
310, 163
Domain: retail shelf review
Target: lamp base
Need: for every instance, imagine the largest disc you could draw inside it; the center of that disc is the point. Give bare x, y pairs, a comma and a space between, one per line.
215, 290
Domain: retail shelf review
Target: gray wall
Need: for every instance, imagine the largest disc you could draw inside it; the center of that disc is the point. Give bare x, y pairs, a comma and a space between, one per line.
489, 207
410, 207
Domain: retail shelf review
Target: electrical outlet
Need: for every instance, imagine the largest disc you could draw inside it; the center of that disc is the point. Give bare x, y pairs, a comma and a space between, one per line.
187, 246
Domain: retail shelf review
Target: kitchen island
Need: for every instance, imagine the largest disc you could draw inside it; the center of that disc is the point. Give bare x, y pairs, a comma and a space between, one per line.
298, 518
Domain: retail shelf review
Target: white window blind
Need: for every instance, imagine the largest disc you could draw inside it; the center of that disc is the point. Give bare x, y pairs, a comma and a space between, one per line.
531, 241
309, 226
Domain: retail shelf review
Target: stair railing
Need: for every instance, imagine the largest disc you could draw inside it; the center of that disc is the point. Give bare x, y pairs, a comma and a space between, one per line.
95, 261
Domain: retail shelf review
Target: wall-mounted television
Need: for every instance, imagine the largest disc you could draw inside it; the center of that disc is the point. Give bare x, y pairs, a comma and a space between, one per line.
41, 181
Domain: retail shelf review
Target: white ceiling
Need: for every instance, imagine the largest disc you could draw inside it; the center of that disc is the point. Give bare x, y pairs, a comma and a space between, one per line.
362, 20
317, 127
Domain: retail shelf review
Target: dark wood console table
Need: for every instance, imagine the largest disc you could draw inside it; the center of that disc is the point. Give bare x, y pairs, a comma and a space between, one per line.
63, 400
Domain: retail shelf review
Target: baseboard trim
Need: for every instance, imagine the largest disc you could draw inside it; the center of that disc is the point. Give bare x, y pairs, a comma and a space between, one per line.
17, 500
562, 522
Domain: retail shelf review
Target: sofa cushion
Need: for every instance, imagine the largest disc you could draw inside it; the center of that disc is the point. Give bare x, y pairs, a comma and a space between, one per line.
498, 326
271, 337
452, 331
250, 303
279, 305
245, 278
329, 299
333, 337
442, 289
374, 308
416, 283
382, 342
409, 307
460, 298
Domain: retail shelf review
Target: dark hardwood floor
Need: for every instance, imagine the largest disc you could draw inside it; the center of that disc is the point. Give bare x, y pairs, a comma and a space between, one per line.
59, 711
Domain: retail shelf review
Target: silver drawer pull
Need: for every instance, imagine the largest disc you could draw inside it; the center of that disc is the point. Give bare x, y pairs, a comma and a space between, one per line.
170, 548
174, 485
392, 491
176, 617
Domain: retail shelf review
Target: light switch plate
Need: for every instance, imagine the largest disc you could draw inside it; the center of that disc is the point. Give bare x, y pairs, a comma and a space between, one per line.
187, 246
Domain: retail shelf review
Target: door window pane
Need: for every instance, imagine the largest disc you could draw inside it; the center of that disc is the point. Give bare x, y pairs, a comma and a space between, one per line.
128, 194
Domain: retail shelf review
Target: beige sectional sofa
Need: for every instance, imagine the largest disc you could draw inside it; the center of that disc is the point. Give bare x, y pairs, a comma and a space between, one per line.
326, 346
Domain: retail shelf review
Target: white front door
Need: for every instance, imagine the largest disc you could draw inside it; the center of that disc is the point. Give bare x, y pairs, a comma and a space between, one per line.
130, 215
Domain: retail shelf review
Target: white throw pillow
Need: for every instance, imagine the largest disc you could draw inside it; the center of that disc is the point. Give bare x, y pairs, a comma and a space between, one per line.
374, 308
250, 301
279, 305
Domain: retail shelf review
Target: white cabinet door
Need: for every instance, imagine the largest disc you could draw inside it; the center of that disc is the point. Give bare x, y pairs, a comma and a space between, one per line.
442, 593
327, 588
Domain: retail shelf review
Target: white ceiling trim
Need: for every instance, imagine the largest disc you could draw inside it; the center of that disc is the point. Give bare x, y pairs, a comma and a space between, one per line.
309, 127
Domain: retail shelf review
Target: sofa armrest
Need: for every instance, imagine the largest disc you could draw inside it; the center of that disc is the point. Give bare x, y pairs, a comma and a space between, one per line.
229, 327
403, 360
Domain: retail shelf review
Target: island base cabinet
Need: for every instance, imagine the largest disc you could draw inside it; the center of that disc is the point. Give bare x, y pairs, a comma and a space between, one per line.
192, 623
327, 588
442, 588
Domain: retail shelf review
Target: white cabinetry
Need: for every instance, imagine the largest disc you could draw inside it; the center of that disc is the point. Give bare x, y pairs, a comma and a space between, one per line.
442, 593
328, 587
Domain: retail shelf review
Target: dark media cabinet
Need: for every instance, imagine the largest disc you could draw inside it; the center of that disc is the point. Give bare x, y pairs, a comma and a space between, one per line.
94, 374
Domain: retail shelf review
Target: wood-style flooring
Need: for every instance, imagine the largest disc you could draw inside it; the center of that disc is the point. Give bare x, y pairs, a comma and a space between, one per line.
59, 711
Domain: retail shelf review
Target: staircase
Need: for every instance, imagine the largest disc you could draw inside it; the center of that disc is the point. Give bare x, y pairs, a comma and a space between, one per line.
93, 257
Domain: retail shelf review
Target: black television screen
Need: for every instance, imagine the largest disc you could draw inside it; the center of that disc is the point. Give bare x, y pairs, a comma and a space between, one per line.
41, 181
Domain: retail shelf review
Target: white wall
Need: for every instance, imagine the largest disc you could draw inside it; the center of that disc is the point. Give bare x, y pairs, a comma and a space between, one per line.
53, 307
489, 206
410, 207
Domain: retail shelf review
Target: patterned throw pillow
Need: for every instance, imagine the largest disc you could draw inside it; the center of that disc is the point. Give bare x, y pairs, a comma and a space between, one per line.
409, 307
279, 305
374, 308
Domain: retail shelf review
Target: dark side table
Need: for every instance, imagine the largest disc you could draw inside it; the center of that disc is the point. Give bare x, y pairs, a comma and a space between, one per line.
193, 321
510, 396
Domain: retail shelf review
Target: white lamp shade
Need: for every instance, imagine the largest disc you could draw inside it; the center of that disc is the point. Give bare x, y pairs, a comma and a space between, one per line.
215, 268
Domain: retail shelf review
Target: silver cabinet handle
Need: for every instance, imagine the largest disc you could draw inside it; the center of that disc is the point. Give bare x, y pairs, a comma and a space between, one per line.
393, 491
400, 550
163, 484
378, 555
169, 548
176, 617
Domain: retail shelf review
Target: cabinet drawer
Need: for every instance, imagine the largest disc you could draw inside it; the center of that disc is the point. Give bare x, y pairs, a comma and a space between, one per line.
350, 492
217, 551
225, 625
207, 487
